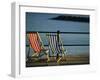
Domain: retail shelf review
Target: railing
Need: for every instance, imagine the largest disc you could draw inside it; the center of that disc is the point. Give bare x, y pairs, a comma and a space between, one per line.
56, 32
62, 33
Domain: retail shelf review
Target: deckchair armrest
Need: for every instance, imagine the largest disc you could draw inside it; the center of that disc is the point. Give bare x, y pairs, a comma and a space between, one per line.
64, 50
45, 48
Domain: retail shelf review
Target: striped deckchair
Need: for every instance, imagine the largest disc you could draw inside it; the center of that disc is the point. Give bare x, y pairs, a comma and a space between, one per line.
56, 46
37, 45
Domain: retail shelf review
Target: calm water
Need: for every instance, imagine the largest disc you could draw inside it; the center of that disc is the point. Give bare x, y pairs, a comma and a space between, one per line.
43, 22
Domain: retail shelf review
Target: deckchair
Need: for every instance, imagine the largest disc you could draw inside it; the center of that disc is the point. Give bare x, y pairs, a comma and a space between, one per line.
56, 46
37, 45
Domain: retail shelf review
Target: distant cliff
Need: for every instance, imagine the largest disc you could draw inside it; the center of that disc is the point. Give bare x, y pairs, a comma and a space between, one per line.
78, 18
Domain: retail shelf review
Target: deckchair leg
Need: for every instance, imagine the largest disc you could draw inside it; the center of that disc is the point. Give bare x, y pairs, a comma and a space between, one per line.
48, 58
58, 61
28, 54
47, 55
65, 54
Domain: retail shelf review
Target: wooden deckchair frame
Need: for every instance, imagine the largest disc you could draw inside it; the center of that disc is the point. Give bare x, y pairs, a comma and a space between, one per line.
42, 48
64, 51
